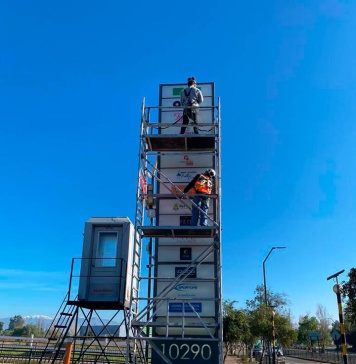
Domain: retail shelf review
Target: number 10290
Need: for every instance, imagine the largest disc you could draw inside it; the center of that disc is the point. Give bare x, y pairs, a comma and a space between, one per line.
186, 351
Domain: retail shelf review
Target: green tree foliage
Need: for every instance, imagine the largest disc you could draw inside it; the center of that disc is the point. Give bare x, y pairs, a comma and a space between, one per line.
17, 327
306, 324
1, 326
349, 296
236, 326
260, 322
278, 301
28, 330
285, 333
260, 318
16, 321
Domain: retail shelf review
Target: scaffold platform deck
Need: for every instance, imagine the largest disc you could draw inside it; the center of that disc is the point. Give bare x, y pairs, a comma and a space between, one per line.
178, 231
184, 142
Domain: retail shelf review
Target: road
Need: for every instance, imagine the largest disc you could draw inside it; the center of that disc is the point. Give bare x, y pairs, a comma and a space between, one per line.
289, 360
285, 359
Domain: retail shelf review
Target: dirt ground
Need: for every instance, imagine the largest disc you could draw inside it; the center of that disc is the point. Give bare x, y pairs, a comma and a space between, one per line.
232, 360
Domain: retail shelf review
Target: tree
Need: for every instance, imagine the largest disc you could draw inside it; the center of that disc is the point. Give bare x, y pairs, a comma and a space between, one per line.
324, 327
1, 326
16, 321
278, 301
260, 318
285, 332
41, 324
236, 326
27, 331
349, 295
306, 324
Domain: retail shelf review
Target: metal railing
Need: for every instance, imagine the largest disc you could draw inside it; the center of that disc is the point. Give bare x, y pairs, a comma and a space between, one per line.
20, 353
327, 356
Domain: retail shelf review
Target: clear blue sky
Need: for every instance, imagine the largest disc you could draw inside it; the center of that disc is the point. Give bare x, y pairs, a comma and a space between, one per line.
72, 77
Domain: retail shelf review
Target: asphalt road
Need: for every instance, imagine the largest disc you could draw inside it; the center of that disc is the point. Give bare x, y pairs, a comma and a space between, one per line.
289, 360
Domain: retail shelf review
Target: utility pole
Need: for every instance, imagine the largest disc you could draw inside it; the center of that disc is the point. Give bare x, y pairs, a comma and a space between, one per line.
264, 271
338, 289
265, 290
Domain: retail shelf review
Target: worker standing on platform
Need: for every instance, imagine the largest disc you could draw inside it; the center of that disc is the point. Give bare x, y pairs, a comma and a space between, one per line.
191, 97
203, 186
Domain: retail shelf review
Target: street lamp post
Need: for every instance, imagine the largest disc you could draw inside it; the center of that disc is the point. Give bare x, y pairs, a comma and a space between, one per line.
265, 294
337, 290
264, 271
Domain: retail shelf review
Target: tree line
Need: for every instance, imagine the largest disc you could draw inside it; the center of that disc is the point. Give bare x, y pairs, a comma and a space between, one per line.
348, 292
247, 327
254, 324
17, 327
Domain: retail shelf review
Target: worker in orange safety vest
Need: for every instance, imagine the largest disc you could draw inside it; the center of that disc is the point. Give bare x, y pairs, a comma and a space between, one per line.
203, 186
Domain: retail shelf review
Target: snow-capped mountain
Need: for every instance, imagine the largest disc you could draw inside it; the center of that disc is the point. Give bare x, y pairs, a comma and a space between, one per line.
42, 320
45, 321
37, 317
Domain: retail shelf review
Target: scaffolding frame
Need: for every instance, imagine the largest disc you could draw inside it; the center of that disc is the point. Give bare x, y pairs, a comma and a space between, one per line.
152, 145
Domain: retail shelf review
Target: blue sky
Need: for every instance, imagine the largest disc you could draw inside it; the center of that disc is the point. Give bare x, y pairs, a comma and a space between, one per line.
72, 77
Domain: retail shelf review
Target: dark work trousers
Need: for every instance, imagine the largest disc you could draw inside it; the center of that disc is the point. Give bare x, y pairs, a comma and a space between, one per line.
192, 114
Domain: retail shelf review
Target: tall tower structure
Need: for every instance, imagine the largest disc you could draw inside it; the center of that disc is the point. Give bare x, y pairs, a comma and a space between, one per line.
170, 312
177, 311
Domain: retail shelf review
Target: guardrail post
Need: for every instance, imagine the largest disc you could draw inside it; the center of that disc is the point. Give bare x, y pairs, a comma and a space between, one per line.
68, 353
30, 355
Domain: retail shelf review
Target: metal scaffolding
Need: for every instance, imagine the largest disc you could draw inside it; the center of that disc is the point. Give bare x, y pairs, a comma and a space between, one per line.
177, 326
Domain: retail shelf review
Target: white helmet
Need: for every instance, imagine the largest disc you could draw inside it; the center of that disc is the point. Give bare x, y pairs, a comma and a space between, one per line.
210, 172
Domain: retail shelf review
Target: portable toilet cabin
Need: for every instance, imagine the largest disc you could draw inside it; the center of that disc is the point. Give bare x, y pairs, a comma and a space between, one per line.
105, 271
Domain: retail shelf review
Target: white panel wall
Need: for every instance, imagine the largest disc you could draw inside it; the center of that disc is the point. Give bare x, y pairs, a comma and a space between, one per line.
173, 91
169, 271
171, 102
174, 331
170, 97
174, 220
170, 259
207, 309
178, 207
175, 207
180, 175
173, 253
184, 241
186, 160
172, 115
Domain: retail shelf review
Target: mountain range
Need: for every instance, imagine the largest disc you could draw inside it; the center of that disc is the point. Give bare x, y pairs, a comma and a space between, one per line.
44, 321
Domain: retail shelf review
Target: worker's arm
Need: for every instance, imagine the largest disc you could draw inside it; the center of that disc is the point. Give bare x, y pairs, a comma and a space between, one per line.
200, 97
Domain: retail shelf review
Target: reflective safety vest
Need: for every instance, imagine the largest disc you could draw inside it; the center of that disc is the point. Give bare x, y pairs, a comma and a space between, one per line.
203, 184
